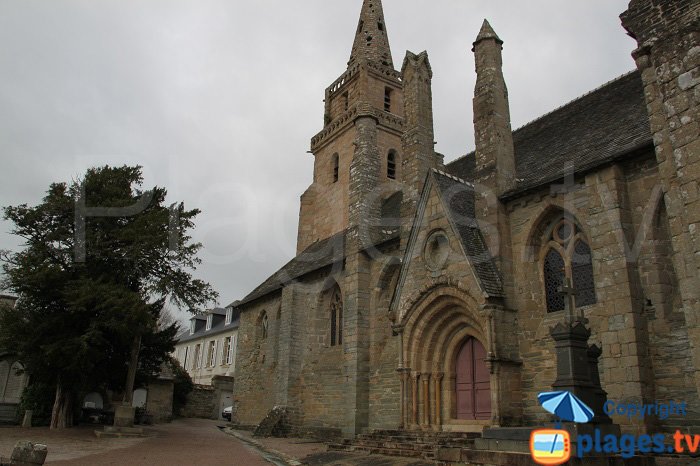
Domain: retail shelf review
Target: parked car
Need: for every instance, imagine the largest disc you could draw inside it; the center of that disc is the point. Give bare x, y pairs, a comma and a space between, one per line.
226, 413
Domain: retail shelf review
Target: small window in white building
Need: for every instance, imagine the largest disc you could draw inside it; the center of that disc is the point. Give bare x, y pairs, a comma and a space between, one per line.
192, 326
211, 355
229, 315
226, 351
232, 351
210, 318
197, 361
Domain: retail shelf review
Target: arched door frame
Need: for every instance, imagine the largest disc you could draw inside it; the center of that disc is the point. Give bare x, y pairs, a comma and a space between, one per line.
432, 332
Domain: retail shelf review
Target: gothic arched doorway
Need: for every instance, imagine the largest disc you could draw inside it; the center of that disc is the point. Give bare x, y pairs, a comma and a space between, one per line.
472, 382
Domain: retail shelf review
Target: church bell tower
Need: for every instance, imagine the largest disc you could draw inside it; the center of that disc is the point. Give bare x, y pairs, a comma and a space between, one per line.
357, 154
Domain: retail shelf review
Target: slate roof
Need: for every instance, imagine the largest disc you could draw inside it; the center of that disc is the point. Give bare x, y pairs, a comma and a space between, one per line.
318, 255
218, 326
391, 214
458, 197
599, 127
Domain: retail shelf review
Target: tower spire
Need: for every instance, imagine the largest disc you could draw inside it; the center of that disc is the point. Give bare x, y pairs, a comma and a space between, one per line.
371, 39
487, 32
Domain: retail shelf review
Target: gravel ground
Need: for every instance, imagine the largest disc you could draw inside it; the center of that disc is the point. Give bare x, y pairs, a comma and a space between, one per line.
63, 444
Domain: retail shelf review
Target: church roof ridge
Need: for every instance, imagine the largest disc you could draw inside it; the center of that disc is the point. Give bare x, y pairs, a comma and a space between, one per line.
453, 177
560, 107
574, 100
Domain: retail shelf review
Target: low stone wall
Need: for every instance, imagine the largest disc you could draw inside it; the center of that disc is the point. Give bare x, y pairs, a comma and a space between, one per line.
201, 403
8, 413
160, 400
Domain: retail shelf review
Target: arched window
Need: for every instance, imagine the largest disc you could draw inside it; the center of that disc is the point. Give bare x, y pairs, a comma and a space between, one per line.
568, 256
391, 165
336, 167
336, 318
387, 99
554, 272
582, 274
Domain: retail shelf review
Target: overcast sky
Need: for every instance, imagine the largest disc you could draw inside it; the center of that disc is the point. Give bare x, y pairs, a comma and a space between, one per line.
218, 99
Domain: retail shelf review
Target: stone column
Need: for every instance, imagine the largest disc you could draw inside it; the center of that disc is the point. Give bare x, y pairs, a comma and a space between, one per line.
414, 407
418, 137
437, 417
426, 398
404, 375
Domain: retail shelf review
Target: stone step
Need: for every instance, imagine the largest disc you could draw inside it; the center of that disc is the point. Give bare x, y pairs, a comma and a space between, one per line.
502, 458
418, 435
408, 444
397, 433
393, 445
103, 434
420, 440
385, 451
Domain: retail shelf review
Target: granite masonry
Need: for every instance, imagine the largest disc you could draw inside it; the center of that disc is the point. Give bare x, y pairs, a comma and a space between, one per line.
422, 293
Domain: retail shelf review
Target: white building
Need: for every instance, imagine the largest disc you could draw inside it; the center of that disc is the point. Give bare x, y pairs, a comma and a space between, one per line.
12, 379
208, 347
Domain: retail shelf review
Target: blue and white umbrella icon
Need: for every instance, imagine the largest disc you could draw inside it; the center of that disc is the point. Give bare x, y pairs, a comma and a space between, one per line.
566, 406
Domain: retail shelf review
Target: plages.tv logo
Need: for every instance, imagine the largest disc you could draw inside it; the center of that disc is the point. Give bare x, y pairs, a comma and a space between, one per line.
553, 446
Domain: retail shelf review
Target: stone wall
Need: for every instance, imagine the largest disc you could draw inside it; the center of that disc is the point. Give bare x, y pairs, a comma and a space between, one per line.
159, 402
384, 382
668, 56
201, 403
636, 318
258, 381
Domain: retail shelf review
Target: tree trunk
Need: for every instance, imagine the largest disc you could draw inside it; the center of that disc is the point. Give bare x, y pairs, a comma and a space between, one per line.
131, 373
62, 412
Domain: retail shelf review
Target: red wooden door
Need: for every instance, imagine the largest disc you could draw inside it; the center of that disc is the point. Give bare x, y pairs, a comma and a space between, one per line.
473, 383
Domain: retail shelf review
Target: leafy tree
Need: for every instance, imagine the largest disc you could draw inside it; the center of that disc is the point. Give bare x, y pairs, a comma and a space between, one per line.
182, 386
101, 258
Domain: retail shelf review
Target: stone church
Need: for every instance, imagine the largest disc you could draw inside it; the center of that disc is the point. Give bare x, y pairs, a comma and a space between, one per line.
422, 293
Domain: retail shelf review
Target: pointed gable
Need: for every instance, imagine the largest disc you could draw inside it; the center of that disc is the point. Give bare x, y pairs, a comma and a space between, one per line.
446, 209
458, 198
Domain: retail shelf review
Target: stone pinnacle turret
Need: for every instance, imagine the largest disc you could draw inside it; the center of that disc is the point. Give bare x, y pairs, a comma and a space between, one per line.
487, 32
371, 39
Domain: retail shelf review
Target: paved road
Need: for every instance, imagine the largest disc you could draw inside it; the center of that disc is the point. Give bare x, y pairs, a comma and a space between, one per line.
183, 442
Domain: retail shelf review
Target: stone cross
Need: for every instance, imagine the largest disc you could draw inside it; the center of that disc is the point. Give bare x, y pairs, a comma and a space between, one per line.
569, 293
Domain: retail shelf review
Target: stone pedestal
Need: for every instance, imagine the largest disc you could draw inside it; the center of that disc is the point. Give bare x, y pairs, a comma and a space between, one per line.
124, 416
123, 424
577, 366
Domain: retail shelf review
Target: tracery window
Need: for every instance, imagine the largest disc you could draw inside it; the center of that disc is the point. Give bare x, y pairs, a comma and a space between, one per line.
336, 318
568, 256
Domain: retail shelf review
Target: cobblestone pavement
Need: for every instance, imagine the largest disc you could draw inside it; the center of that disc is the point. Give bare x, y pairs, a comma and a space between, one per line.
183, 442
